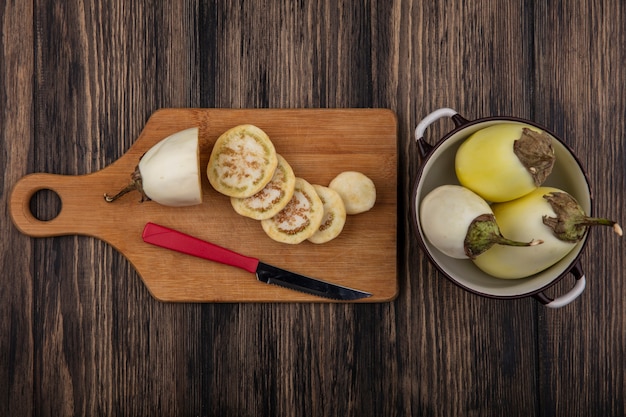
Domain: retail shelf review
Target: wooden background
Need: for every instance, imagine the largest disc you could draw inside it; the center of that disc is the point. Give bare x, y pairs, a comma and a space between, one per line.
81, 335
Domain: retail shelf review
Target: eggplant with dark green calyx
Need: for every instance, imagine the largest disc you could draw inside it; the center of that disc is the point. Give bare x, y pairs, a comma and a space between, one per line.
549, 214
461, 224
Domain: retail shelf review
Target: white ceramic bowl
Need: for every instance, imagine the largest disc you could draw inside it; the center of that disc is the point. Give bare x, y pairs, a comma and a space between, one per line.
437, 169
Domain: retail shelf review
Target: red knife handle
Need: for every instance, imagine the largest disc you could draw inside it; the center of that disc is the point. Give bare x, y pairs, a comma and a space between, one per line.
172, 239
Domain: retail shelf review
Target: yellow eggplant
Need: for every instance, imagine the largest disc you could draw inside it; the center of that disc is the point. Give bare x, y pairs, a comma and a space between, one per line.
548, 214
505, 161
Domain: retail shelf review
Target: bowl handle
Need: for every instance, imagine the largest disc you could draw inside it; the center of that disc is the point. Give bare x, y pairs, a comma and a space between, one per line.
568, 297
425, 147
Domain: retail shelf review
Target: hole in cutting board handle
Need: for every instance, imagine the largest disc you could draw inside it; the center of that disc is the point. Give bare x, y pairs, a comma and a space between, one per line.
45, 204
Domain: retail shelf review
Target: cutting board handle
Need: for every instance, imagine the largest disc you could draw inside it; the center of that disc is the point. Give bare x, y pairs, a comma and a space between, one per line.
70, 219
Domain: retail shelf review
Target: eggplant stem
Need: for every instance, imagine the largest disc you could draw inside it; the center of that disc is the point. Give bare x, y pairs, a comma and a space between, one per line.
508, 242
571, 223
595, 221
130, 187
484, 232
135, 184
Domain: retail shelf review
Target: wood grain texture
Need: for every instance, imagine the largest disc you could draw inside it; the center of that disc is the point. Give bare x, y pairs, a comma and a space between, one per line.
587, 339
16, 254
83, 336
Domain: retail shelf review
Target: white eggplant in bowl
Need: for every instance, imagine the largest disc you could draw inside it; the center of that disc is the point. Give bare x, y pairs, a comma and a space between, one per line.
461, 224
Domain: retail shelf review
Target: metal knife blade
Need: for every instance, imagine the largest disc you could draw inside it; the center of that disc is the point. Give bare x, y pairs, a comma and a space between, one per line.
274, 275
174, 240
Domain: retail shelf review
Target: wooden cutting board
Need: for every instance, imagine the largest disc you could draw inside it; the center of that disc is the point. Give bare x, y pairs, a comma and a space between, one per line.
318, 143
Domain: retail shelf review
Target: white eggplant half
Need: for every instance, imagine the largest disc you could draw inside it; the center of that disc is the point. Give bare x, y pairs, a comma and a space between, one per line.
460, 223
547, 213
169, 172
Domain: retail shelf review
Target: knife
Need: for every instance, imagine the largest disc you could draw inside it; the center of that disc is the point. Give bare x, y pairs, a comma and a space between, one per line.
172, 239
